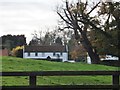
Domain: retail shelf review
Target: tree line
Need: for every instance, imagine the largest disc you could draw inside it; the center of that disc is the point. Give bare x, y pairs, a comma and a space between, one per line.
11, 41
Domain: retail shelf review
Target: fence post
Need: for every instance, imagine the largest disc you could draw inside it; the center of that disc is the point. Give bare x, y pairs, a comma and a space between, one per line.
115, 81
32, 80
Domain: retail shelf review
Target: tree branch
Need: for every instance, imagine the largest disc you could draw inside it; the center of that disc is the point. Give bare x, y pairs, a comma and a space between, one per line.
67, 15
67, 7
93, 8
63, 18
61, 29
108, 19
88, 22
97, 28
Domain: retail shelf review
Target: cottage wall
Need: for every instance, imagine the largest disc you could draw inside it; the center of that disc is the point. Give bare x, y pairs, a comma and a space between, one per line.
44, 55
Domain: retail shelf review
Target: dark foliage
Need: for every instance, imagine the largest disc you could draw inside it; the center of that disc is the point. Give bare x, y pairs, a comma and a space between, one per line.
11, 41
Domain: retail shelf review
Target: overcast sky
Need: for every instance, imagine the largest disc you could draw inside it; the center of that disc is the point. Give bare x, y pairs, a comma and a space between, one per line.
26, 16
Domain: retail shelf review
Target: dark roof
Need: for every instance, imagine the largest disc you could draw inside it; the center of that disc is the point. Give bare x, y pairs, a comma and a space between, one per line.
50, 48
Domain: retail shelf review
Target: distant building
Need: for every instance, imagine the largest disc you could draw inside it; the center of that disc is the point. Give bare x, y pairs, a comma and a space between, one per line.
50, 52
107, 57
110, 57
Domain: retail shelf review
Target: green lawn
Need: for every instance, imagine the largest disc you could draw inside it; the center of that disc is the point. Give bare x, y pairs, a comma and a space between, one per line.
18, 64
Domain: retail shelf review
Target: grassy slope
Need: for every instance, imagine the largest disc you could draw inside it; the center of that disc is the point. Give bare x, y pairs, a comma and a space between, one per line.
18, 64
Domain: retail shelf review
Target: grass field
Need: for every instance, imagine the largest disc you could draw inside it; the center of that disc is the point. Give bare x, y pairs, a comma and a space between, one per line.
18, 64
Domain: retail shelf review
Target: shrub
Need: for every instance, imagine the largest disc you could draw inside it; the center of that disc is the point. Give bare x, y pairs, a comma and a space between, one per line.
18, 51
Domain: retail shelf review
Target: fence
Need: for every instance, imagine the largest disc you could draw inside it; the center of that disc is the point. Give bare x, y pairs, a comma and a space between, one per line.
32, 80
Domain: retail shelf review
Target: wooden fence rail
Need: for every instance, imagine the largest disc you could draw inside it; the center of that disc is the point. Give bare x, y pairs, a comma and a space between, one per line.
32, 80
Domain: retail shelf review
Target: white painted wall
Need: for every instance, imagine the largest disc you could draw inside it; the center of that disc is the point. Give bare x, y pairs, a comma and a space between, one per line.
44, 55
65, 57
107, 57
88, 60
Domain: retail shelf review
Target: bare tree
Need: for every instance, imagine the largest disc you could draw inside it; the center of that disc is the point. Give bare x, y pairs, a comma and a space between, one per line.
79, 17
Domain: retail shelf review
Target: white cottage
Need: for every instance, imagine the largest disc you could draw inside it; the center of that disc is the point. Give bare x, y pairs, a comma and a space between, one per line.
51, 52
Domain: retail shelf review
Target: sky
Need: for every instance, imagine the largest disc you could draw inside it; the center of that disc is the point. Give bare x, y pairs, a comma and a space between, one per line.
25, 16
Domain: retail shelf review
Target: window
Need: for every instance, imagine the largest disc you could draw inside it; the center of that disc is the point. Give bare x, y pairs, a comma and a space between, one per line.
58, 56
36, 54
28, 53
53, 53
61, 53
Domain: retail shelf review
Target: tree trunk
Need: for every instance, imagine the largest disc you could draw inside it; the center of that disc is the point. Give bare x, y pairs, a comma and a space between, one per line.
91, 52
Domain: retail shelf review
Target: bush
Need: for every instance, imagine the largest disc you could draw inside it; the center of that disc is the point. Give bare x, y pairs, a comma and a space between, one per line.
18, 51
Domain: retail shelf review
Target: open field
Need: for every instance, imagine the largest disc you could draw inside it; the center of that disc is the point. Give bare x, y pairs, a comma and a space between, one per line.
18, 64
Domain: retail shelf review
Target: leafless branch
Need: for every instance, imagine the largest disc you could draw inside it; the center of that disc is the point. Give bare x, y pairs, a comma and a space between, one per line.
68, 27
93, 8
63, 18
107, 21
86, 5
67, 15
67, 7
